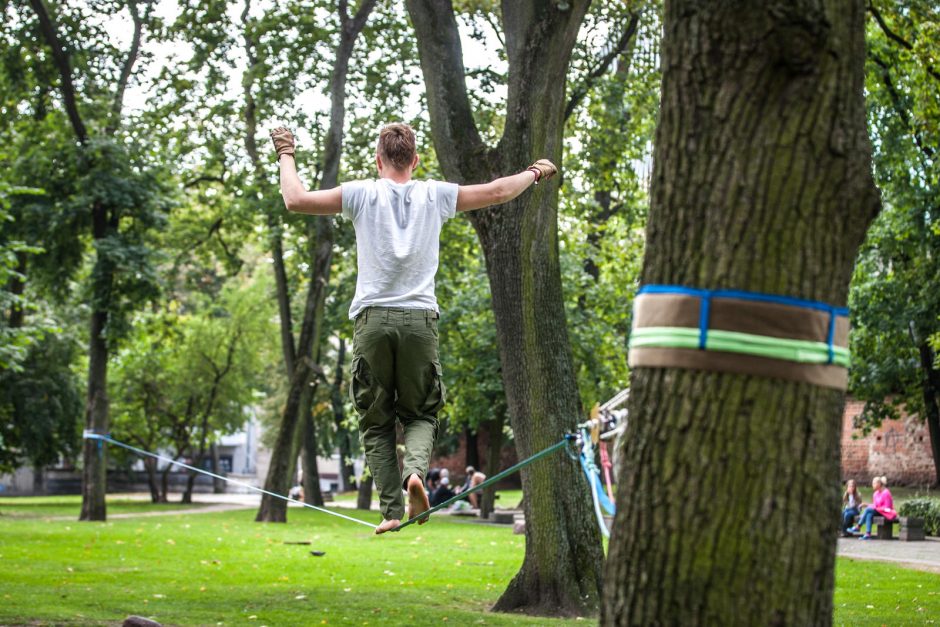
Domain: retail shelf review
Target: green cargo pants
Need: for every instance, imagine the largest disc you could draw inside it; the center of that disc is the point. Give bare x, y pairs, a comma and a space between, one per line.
396, 371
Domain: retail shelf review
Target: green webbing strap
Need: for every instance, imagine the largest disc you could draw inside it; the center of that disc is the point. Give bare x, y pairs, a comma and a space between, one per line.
802, 351
497, 477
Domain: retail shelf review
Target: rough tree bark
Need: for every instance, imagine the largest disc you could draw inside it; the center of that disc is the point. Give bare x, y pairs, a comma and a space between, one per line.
299, 360
104, 223
761, 181
561, 573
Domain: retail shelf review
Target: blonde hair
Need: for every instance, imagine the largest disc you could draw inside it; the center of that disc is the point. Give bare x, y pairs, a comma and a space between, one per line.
883, 480
397, 145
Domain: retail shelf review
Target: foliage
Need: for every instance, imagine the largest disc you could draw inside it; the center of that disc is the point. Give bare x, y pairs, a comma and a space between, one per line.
928, 509
15, 340
41, 405
189, 373
895, 305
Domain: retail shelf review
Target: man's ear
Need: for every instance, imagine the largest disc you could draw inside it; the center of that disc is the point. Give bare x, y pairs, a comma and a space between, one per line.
414, 163
378, 163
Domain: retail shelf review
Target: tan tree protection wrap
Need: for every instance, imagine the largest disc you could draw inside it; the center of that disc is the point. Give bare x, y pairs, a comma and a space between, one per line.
741, 333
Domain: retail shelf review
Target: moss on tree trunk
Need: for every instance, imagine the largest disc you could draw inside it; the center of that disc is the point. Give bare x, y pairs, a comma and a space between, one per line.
561, 573
728, 491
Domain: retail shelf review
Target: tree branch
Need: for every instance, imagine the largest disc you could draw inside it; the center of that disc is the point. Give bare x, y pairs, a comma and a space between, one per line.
899, 106
61, 58
601, 68
362, 14
203, 178
126, 70
350, 29
886, 30
890, 34
457, 141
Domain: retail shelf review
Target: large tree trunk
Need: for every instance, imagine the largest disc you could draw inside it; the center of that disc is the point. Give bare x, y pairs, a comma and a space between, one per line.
931, 395
761, 181
561, 573
320, 242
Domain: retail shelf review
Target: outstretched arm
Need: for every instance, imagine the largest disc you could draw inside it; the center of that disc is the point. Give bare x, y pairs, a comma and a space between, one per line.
296, 197
470, 197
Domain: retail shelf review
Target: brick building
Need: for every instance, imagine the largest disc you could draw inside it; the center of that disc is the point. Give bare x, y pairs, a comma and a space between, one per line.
899, 450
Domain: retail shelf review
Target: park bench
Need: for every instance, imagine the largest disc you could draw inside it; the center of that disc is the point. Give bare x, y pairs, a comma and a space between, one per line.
885, 527
912, 529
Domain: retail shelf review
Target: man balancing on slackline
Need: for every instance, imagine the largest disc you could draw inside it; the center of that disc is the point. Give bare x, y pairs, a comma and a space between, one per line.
395, 368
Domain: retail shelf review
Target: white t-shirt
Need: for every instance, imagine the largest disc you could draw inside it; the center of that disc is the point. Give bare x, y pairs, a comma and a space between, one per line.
398, 228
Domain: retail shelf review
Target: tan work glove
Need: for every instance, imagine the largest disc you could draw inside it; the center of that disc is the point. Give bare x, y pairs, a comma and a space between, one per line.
544, 169
283, 141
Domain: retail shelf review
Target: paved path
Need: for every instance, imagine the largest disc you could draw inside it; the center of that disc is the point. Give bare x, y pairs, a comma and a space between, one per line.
921, 555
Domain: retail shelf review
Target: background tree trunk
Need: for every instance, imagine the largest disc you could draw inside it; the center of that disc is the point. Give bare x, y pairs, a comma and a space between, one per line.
320, 239
104, 224
150, 465
473, 448
218, 486
364, 496
311, 481
761, 181
94, 456
347, 470
494, 449
931, 394
561, 573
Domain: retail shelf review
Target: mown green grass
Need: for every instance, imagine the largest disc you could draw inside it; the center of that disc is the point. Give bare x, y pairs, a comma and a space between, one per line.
207, 569
224, 568
877, 593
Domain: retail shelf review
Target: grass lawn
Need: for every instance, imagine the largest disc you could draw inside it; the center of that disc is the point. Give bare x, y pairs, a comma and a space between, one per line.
207, 569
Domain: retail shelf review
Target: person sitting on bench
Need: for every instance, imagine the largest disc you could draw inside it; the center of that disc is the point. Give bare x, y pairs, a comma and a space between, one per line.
882, 505
851, 506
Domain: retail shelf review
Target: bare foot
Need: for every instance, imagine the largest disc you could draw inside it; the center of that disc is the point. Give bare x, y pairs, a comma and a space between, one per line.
387, 525
417, 498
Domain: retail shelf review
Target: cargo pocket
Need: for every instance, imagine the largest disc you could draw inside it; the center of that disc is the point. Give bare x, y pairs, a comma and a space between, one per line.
437, 393
361, 389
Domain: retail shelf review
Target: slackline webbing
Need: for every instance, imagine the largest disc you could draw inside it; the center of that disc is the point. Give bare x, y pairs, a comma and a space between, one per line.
512, 469
802, 351
90, 435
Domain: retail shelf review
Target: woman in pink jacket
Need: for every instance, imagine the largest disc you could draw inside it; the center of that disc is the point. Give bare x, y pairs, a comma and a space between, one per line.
882, 505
